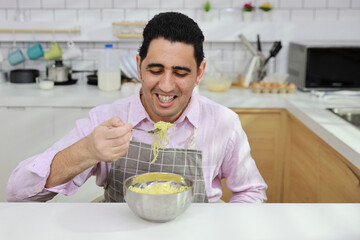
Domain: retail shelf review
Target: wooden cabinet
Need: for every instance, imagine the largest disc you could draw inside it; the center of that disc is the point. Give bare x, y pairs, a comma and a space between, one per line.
301, 171
266, 134
339, 182
316, 173
297, 165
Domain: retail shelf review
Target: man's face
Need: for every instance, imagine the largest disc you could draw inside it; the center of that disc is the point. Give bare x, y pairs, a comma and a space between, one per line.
168, 75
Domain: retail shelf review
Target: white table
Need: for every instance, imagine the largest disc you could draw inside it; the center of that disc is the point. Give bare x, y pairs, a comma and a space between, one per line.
106, 221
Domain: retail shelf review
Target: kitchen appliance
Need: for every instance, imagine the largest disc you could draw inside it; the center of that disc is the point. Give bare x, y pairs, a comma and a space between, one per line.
324, 66
61, 73
351, 115
24, 75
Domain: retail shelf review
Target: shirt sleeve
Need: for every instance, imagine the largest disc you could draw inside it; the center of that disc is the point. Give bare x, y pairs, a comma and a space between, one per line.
242, 176
27, 181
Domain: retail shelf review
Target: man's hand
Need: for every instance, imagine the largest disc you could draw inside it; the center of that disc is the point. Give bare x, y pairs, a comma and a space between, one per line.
110, 140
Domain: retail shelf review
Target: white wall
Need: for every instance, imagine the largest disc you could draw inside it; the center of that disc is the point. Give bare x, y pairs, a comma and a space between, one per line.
222, 43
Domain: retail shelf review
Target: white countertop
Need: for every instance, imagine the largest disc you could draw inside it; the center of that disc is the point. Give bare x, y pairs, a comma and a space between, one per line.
200, 221
311, 111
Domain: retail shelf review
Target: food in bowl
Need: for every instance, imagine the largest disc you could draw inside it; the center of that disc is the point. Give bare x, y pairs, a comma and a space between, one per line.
159, 188
158, 207
218, 84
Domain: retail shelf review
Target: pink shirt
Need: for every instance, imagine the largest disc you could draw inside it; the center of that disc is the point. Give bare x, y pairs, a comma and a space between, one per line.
224, 145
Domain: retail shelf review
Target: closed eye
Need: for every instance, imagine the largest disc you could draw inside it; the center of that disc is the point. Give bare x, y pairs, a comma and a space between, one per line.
181, 74
156, 72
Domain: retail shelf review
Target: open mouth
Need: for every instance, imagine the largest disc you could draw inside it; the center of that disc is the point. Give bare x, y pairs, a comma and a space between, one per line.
165, 99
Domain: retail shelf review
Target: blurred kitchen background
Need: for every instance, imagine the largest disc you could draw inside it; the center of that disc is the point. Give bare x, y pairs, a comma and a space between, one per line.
290, 20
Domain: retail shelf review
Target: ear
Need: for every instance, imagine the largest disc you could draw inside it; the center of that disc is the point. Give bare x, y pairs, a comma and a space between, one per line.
200, 72
138, 62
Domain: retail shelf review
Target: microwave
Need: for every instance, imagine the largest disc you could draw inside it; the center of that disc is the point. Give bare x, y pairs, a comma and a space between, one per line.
324, 66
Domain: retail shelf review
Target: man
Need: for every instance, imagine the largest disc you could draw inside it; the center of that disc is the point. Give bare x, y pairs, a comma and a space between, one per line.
208, 143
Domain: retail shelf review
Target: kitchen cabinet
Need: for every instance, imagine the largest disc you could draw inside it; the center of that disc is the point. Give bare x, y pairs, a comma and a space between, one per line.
339, 181
25, 131
265, 132
316, 173
64, 121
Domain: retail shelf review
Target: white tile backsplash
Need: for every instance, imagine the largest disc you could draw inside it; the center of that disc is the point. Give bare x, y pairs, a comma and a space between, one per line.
101, 3
315, 3
124, 4
2, 15
30, 3
302, 15
326, 14
280, 15
172, 4
230, 15
43, 15
338, 3
148, 3
77, 4
8, 4
92, 15
291, 3
136, 15
220, 3
53, 4
193, 3
350, 15
107, 11
355, 3
115, 15
66, 15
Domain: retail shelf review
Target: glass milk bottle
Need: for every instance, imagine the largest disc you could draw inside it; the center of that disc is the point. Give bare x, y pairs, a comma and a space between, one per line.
109, 78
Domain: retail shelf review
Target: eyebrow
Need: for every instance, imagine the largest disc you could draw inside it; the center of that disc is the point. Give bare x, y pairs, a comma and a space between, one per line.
151, 65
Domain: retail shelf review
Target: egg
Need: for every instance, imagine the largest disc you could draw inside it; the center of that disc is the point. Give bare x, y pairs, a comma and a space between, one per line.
255, 85
291, 85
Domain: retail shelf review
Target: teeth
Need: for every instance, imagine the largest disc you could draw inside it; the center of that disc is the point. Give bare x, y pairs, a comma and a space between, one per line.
166, 99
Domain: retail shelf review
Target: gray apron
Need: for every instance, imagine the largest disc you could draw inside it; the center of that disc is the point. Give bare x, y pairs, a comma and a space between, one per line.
137, 160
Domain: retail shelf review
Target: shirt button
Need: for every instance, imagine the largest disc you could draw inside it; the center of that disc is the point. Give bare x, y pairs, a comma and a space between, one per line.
39, 189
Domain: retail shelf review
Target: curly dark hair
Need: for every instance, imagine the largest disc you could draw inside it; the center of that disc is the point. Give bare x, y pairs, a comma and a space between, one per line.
175, 27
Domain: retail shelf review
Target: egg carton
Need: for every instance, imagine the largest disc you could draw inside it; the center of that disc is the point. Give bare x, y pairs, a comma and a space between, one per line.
272, 90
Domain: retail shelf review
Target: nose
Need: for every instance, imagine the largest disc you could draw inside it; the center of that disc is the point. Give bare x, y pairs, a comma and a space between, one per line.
167, 83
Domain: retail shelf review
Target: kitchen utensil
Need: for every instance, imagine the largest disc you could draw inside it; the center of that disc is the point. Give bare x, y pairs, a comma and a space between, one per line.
3, 76
45, 83
158, 208
54, 52
72, 52
24, 75
153, 131
274, 51
15, 56
92, 79
34, 50
248, 45
59, 72
258, 43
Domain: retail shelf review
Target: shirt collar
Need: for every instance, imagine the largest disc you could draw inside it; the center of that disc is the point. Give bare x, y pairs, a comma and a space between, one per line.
137, 111
191, 113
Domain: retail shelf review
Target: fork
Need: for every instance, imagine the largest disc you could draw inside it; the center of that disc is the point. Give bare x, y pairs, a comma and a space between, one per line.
152, 131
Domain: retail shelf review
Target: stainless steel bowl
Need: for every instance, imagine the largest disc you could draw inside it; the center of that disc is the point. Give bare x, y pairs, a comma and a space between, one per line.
158, 208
